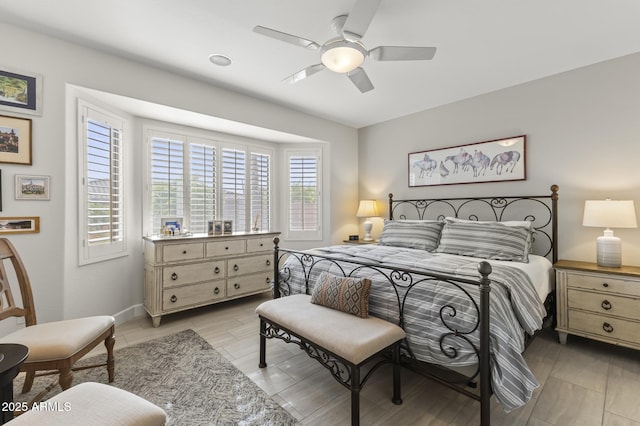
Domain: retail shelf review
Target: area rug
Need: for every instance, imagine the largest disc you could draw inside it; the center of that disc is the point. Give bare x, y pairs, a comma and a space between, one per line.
187, 378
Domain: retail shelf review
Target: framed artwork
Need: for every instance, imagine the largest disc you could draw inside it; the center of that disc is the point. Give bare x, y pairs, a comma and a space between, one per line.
20, 92
19, 225
210, 227
171, 225
227, 227
491, 161
31, 187
15, 140
217, 227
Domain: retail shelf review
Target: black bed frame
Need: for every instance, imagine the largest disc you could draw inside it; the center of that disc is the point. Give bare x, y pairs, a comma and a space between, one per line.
541, 210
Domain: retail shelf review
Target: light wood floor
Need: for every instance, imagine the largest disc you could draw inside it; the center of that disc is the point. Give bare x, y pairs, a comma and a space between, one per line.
581, 383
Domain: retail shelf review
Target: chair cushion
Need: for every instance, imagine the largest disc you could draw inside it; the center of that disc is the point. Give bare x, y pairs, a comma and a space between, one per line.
59, 339
95, 404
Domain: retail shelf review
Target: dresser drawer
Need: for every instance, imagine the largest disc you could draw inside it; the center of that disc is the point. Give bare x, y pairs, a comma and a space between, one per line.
601, 282
608, 304
196, 294
225, 247
259, 244
609, 328
248, 284
249, 265
178, 252
186, 274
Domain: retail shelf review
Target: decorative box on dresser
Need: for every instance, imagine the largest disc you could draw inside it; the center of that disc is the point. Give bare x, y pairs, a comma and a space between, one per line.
598, 302
187, 272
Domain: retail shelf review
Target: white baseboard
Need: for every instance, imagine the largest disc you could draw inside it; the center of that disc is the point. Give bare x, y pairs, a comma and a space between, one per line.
132, 312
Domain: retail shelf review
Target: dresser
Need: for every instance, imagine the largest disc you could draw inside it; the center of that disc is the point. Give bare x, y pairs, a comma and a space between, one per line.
599, 303
183, 273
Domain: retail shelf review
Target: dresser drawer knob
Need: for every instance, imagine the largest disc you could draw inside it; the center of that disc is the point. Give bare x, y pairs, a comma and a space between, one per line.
216, 290
261, 245
605, 284
607, 327
268, 262
268, 280
226, 248
606, 305
184, 252
174, 298
236, 286
216, 270
174, 276
236, 267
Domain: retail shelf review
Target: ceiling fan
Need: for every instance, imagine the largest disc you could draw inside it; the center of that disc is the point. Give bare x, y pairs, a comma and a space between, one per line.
346, 52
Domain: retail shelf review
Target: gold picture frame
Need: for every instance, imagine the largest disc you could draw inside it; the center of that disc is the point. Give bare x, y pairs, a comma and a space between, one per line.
20, 225
15, 140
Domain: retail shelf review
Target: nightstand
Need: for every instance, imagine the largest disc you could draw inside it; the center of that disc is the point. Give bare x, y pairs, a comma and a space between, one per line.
599, 303
359, 241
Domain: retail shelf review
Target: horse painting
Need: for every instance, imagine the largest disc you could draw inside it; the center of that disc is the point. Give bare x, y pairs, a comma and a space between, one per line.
479, 163
426, 166
505, 159
462, 159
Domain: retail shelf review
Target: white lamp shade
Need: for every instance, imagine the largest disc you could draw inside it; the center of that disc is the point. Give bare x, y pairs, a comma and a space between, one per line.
367, 208
609, 214
342, 56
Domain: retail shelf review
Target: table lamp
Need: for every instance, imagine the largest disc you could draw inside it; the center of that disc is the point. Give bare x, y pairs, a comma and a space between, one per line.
609, 214
367, 209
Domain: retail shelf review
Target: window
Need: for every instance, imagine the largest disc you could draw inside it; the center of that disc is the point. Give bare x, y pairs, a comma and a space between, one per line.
101, 198
201, 179
303, 199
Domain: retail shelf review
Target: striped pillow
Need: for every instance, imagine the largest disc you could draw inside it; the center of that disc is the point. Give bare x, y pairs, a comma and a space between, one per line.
350, 295
418, 234
487, 240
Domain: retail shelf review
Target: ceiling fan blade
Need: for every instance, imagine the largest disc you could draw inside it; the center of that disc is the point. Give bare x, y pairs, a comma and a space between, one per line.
359, 19
304, 73
360, 79
402, 53
288, 38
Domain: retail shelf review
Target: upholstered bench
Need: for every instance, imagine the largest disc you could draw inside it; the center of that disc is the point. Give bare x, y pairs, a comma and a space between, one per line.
93, 404
335, 339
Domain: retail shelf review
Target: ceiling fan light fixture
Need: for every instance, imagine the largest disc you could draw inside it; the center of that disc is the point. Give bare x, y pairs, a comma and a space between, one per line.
342, 56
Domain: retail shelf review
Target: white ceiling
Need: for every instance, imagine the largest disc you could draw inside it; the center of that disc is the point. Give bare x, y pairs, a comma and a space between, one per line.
482, 45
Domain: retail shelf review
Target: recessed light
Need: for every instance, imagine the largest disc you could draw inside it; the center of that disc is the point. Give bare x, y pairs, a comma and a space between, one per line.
221, 60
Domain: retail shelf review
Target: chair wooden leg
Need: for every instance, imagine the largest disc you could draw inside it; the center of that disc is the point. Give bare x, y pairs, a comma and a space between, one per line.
28, 381
109, 342
66, 377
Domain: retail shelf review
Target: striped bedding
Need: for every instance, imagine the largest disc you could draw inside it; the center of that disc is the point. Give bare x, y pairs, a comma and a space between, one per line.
515, 307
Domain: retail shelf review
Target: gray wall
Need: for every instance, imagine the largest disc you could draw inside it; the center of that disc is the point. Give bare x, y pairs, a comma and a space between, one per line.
583, 133
61, 288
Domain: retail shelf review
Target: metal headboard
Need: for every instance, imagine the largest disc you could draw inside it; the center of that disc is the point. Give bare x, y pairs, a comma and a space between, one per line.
542, 210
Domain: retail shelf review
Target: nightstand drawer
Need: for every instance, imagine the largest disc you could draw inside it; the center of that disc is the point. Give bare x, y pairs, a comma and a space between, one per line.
604, 303
610, 328
602, 282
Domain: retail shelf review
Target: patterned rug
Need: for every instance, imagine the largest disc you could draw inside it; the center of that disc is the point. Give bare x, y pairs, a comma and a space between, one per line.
187, 378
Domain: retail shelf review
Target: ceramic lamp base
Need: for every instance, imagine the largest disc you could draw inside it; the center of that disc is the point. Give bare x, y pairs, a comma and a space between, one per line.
368, 226
609, 251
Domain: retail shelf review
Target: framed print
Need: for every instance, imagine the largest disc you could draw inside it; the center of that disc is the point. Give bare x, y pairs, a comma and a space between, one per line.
20, 92
15, 140
31, 187
491, 161
19, 225
171, 225
210, 227
217, 227
227, 227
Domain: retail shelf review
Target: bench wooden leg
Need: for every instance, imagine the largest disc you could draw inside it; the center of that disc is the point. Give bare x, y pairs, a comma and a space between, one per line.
355, 396
263, 344
397, 396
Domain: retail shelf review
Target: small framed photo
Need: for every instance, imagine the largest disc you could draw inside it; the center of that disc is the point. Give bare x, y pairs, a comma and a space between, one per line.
19, 225
217, 227
21, 91
210, 227
227, 227
171, 225
15, 140
31, 187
